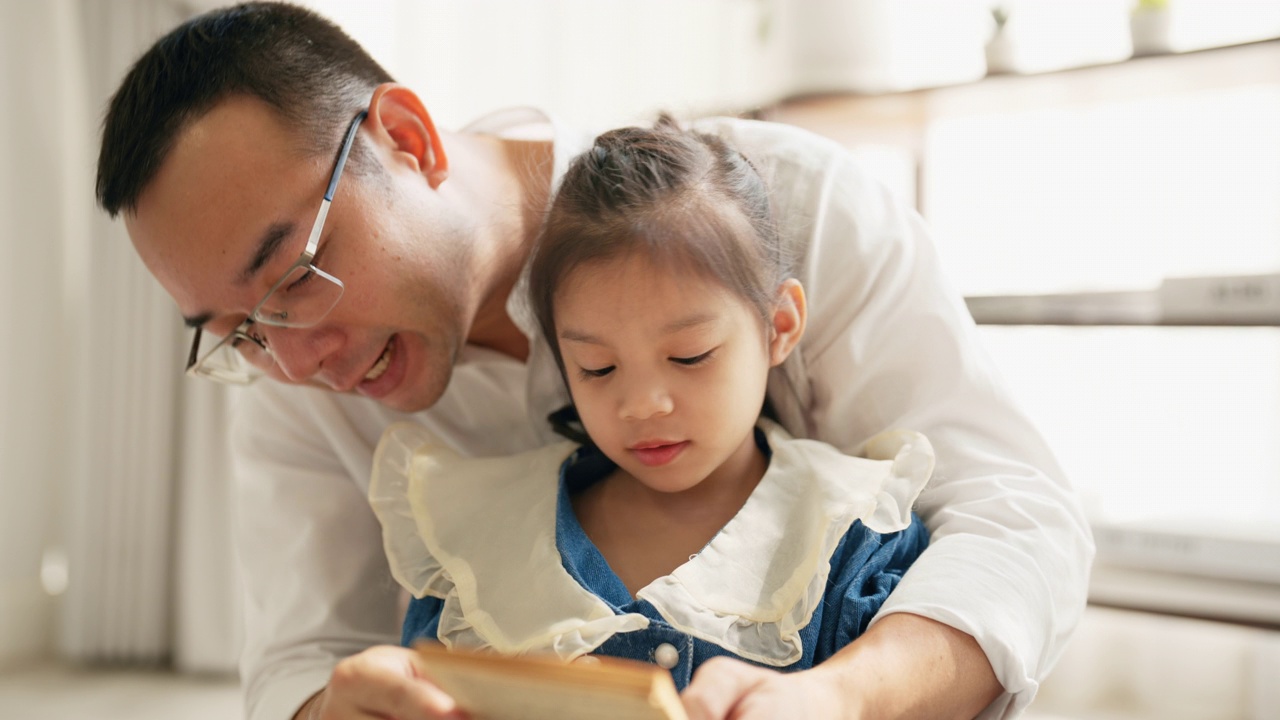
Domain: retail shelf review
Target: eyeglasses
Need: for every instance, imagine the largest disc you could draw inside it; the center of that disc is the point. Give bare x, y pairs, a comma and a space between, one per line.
302, 297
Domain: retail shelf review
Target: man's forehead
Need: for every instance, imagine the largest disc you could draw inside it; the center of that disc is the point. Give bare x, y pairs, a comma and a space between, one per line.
230, 142
230, 177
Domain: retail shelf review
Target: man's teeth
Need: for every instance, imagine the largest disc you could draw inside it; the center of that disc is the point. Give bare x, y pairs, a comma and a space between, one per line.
379, 367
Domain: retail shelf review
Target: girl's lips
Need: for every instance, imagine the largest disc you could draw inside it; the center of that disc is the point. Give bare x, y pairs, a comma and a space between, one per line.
655, 455
390, 377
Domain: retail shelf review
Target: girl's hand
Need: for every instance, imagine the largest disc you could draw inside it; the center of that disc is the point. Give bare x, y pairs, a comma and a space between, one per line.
728, 689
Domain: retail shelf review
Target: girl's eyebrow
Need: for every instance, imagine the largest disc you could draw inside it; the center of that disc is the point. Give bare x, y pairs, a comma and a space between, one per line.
688, 321
581, 337
675, 326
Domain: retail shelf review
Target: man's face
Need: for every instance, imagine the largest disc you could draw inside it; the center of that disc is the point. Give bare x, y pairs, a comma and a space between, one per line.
667, 370
236, 188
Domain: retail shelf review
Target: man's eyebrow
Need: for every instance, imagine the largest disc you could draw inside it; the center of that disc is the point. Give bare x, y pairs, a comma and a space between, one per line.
195, 321
268, 245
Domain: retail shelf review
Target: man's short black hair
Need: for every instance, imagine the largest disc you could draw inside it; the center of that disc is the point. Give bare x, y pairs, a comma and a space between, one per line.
299, 63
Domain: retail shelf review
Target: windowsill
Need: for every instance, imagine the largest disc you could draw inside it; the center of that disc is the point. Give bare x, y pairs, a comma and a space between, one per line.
1252, 604
901, 119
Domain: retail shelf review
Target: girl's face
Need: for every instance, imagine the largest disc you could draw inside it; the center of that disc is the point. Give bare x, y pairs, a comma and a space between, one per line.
667, 368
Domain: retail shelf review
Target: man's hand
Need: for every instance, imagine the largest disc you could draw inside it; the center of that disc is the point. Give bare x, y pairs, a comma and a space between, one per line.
904, 666
728, 689
381, 682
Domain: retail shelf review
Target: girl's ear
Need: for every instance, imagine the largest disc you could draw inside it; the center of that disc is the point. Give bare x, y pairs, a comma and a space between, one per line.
787, 321
402, 124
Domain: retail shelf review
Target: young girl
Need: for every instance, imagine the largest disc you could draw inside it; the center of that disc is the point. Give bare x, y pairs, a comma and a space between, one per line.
684, 525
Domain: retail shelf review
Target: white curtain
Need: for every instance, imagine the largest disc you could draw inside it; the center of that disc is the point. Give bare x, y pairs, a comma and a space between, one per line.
151, 567
43, 201
115, 487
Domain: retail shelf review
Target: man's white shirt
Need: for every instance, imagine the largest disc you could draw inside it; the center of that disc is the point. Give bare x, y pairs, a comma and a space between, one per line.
887, 345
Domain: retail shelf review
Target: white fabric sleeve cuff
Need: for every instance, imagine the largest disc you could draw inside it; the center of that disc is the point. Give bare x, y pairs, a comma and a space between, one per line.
280, 698
1000, 598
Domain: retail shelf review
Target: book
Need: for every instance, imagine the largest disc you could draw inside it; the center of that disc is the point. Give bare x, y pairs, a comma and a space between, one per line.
532, 687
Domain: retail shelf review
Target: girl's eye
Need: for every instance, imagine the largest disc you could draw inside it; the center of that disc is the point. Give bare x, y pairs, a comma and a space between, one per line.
693, 360
595, 373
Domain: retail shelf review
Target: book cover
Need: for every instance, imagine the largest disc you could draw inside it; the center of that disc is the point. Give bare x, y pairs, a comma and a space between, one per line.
496, 687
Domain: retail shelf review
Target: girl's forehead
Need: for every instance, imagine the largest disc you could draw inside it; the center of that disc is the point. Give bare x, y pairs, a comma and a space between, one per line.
637, 272
619, 293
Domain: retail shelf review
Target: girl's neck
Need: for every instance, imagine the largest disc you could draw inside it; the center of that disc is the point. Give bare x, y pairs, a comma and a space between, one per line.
645, 534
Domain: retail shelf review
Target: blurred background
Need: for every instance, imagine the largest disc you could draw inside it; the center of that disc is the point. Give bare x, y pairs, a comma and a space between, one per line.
1102, 178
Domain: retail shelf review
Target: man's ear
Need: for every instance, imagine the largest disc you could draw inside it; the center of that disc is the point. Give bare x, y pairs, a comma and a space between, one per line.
787, 321
399, 120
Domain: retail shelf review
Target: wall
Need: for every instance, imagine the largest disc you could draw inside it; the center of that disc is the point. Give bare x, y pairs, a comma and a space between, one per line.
598, 63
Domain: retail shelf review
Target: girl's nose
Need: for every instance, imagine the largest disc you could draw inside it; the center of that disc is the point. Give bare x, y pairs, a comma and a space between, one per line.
644, 400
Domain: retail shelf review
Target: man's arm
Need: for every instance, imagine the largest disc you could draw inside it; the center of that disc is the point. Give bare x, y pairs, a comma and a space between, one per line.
939, 672
1010, 551
904, 666
889, 345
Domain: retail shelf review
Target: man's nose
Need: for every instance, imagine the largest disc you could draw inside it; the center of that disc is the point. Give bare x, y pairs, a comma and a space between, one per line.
644, 398
300, 353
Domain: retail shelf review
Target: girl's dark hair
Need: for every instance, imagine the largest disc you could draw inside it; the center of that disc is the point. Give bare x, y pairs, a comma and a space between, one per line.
297, 62
682, 199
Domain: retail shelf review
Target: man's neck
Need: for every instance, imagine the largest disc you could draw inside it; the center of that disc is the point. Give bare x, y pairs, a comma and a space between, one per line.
520, 185
493, 328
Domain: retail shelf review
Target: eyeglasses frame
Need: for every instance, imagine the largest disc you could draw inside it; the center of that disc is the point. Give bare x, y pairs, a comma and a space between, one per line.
304, 260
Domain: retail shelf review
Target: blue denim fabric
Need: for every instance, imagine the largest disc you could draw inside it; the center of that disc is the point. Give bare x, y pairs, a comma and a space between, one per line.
865, 567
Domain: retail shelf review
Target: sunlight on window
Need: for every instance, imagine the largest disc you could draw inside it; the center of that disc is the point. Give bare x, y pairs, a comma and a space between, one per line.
1150, 422
1155, 422
1114, 196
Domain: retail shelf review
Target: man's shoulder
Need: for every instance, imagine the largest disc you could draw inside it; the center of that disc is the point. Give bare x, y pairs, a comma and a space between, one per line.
806, 172
765, 139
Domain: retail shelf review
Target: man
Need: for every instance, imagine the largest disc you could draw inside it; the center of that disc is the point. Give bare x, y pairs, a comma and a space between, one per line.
403, 299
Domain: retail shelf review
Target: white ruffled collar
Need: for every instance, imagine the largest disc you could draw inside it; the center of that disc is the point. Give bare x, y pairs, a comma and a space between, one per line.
481, 533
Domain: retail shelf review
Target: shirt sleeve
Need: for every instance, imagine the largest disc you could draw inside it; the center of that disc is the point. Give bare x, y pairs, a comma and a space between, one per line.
889, 345
317, 587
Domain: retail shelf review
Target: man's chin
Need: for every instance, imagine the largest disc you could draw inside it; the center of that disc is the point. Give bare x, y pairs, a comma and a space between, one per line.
412, 397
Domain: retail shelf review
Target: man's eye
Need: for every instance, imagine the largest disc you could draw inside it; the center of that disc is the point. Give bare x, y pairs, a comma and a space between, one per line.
241, 330
301, 281
224, 326
693, 360
588, 373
